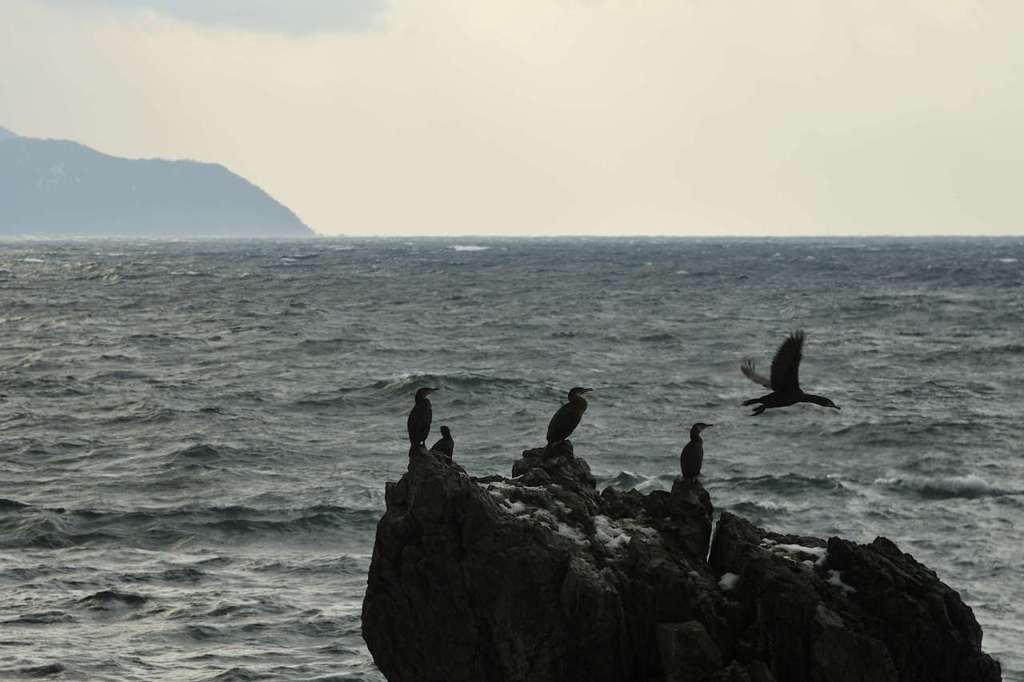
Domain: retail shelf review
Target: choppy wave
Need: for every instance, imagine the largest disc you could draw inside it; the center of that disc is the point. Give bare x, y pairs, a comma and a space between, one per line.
658, 338
29, 527
968, 486
108, 600
210, 426
629, 480
766, 507
41, 671
789, 484
199, 451
405, 386
40, 618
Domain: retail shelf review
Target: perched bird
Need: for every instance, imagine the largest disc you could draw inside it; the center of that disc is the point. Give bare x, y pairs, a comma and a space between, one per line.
446, 446
568, 416
419, 417
692, 456
785, 379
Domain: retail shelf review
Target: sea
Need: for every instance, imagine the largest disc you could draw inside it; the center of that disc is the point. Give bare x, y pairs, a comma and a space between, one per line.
195, 435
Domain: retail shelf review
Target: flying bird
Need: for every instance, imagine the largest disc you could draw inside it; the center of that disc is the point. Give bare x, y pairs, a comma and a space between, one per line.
785, 379
565, 421
692, 456
419, 417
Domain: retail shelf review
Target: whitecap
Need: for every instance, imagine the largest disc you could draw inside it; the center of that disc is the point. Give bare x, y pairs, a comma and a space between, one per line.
766, 505
1006, 260
626, 480
469, 247
968, 486
629, 480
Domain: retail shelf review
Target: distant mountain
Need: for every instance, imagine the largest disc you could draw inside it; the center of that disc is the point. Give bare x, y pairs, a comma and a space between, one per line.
61, 188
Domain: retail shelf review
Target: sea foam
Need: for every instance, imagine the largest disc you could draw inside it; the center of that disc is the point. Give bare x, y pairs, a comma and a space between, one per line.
968, 486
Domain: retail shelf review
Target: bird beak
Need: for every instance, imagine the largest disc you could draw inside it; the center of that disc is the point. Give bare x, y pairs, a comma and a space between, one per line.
837, 407
587, 390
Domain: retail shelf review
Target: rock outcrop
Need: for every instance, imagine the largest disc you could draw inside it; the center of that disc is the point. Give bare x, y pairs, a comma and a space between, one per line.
540, 578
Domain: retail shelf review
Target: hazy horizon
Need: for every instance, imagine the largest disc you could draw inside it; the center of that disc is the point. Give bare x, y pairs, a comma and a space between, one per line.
572, 118
470, 237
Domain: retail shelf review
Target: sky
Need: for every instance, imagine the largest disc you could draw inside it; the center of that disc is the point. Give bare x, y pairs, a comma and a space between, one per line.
552, 117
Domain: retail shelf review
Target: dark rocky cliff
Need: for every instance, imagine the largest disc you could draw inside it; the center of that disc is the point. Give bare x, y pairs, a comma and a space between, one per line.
539, 578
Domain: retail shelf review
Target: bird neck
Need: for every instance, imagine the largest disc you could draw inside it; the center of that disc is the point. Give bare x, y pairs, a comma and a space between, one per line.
578, 400
695, 435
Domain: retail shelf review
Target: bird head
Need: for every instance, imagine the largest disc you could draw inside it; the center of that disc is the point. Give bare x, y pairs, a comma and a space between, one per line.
446, 432
697, 428
423, 393
578, 392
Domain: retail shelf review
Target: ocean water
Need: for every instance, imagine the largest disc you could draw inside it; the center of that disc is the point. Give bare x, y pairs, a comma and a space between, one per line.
195, 437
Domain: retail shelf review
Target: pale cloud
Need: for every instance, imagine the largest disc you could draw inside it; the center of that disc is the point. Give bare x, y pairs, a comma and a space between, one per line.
274, 16
562, 116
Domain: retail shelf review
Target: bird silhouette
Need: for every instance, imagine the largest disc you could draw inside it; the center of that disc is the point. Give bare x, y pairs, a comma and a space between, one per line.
692, 456
419, 417
568, 416
446, 446
785, 378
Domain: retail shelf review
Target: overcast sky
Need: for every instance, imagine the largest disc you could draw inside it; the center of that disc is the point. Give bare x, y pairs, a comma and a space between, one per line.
706, 117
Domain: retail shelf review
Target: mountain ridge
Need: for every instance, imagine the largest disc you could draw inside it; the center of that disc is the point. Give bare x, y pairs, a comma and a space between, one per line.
56, 188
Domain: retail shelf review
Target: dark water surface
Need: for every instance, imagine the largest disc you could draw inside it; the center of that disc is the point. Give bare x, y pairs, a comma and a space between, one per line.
194, 437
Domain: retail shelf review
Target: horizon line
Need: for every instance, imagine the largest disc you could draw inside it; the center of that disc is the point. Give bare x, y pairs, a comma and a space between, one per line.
497, 237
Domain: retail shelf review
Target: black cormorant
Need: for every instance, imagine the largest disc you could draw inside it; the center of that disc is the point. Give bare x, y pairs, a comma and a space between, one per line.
692, 455
419, 417
785, 379
568, 416
446, 446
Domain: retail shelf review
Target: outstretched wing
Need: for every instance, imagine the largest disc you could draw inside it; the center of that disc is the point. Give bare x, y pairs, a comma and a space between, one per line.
747, 367
786, 364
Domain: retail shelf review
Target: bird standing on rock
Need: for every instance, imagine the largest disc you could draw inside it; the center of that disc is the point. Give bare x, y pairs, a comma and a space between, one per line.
446, 446
419, 417
785, 379
565, 421
692, 456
